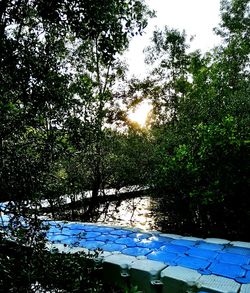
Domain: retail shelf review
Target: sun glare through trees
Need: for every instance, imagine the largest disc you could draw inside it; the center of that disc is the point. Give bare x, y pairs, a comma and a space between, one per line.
141, 113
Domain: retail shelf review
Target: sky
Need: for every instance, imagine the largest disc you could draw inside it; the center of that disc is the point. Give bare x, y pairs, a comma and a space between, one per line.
197, 17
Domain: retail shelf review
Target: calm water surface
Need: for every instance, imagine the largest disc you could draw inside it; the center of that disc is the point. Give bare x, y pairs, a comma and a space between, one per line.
134, 212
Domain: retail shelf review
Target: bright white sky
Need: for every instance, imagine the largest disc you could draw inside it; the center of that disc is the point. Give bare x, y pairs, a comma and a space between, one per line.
197, 17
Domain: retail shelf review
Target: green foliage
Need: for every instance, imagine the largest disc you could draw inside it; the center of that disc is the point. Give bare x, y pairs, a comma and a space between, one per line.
170, 61
202, 154
27, 269
58, 63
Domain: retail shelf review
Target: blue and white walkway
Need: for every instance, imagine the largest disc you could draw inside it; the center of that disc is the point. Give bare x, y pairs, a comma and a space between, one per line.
160, 262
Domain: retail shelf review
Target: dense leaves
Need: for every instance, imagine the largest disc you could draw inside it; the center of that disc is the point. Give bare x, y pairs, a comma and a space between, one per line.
58, 62
202, 157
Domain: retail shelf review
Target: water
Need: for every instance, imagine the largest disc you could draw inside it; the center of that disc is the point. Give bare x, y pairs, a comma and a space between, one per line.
134, 213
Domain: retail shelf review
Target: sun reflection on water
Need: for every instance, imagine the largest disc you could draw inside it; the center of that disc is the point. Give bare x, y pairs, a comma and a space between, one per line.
134, 213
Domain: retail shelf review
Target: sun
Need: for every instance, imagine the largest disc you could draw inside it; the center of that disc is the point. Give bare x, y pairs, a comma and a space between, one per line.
140, 113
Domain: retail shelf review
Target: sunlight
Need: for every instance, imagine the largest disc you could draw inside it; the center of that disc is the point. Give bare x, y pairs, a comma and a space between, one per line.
140, 113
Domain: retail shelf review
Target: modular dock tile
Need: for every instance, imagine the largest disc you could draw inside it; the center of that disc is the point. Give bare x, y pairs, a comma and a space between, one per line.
245, 288
231, 258
202, 253
237, 250
92, 245
73, 241
120, 232
217, 241
70, 233
245, 279
145, 243
146, 274
91, 235
188, 243
137, 251
240, 244
167, 258
107, 238
103, 230
210, 246
177, 279
160, 239
57, 238
129, 242
193, 263
227, 270
76, 226
174, 248
192, 238
173, 236
116, 268
140, 235
218, 284
113, 247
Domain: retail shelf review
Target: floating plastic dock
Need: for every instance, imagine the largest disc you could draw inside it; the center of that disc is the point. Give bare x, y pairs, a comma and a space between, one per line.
158, 262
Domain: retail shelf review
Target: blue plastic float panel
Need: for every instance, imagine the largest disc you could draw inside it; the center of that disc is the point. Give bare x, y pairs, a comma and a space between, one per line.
245, 279
104, 230
150, 244
238, 250
188, 243
73, 241
161, 239
231, 258
174, 248
193, 263
76, 227
57, 238
210, 246
113, 247
107, 238
90, 228
202, 253
140, 235
137, 251
120, 232
247, 276
227, 270
92, 245
165, 257
129, 242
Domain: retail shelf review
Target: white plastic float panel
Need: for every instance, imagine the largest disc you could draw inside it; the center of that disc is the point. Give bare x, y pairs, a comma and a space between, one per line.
173, 236
217, 241
245, 288
240, 244
146, 275
116, 269
191, 238
177, 279
216, 284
